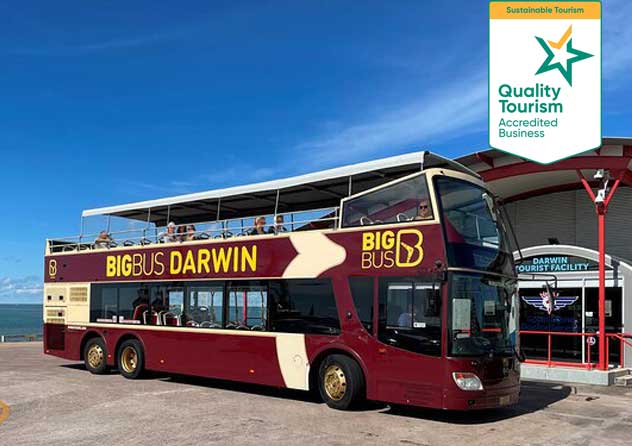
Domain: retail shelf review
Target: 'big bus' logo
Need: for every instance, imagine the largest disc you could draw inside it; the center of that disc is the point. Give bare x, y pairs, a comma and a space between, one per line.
387, 249
52, 268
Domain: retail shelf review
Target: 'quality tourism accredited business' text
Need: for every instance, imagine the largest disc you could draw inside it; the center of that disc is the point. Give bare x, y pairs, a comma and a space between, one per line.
545, 78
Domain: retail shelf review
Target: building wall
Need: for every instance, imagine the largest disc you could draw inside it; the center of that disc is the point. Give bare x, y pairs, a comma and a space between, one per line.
570, 217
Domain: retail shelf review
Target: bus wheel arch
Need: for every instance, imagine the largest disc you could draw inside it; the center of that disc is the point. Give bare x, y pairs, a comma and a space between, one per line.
338, 361
130, 356
84, 340
94, 353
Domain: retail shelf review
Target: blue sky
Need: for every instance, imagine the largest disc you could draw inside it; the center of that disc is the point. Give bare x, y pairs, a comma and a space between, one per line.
110, 102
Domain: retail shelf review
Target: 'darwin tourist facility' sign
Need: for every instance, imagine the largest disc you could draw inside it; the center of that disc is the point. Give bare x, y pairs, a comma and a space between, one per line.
556, 264
545, 78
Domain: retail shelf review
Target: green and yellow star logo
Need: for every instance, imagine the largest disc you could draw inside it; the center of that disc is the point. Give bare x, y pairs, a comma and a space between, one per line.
574, 55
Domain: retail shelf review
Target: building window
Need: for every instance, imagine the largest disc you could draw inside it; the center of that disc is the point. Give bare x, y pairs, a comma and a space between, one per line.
303, 306
410, 315
362, 293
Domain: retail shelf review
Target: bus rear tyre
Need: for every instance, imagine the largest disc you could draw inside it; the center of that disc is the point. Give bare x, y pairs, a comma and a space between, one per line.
131, 359
94, 356
341, 382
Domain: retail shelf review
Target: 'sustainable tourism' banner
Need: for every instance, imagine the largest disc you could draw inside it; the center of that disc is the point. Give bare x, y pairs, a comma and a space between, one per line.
545, 78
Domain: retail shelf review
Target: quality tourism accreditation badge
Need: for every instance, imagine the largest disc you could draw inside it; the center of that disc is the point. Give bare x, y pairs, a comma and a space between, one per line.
545, 78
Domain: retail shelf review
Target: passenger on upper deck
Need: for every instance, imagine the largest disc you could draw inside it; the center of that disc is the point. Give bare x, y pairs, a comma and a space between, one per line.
181, 233
278, 225
259, 229
170, 234
190, 234
423, 211
103, 240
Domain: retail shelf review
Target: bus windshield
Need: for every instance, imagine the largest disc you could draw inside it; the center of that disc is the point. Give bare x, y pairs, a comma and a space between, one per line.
474, 229
482, 315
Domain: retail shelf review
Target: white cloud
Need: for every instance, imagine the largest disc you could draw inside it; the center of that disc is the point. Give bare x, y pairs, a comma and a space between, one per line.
26, 286
444, 113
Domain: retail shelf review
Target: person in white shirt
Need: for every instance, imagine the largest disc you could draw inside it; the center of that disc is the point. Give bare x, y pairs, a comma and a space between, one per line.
170, 234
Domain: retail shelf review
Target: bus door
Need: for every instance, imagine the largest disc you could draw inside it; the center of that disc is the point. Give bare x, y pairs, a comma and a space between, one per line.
408, 357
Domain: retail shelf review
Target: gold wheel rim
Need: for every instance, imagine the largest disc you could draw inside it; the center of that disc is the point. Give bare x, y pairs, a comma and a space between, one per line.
129, 359
335, 382
95, 356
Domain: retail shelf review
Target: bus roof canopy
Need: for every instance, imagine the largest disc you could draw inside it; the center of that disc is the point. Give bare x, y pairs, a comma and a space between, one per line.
315, 190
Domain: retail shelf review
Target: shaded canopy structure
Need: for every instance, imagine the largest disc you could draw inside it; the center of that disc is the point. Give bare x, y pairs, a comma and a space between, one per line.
318, 190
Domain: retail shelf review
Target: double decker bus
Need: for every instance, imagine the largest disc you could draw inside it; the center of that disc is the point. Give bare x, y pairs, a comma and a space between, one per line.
390, 280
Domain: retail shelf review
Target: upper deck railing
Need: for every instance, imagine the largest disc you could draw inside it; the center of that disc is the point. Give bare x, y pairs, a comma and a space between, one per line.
324, 218
306, 202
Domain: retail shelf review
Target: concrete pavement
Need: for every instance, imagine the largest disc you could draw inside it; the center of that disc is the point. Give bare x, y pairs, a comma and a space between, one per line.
55, 402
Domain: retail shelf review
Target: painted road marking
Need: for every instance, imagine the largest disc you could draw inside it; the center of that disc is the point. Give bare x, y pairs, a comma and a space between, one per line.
4, 411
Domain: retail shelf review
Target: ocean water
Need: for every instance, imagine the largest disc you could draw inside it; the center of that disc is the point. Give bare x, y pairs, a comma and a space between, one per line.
20, 319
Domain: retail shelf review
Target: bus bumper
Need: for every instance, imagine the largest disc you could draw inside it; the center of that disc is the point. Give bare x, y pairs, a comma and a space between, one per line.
456, 399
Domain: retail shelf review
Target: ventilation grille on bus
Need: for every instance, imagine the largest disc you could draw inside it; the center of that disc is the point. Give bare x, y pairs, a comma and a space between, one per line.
78, 294
55, 315
55, 296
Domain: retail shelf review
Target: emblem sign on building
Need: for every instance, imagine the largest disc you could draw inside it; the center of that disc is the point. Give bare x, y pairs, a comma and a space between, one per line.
545, 78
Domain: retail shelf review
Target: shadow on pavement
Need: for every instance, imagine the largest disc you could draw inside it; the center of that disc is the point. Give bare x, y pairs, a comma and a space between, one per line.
534, 396
233, 386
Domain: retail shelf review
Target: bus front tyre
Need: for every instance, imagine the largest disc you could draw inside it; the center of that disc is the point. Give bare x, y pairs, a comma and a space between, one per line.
341, 382
131, 359
94, 356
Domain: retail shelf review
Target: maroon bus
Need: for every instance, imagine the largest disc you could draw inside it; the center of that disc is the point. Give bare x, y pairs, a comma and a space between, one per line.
390, 280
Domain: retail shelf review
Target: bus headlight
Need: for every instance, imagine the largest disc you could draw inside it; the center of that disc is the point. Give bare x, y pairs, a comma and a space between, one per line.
467, 381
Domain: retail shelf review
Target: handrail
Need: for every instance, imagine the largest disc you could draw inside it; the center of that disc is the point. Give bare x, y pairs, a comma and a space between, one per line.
21, 338
623, 338
549, 357
228, 228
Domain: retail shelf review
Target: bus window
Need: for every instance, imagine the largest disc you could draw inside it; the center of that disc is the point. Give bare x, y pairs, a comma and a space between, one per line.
303, 306
175, 305
362, 293
133, 302
161, 309
410, 315
206, 306
103, 303
247, 306
403, 201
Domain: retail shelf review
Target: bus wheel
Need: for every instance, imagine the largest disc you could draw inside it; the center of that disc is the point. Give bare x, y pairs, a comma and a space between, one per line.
341, 382
131, 359
94, 356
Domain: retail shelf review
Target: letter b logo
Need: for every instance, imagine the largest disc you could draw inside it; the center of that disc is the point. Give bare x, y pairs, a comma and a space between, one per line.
409, 252
52, 268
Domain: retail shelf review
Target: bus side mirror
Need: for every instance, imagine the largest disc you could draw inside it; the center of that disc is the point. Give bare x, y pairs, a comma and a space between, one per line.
440, 272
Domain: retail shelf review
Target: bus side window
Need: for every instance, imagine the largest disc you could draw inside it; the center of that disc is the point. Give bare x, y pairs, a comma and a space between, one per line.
410, 315
133, 302
205, 306
303, 306
362, 293
103, 303
175, 314
404, 201
247, 306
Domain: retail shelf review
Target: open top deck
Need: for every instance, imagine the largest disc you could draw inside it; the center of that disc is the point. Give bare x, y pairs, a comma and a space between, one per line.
310, 201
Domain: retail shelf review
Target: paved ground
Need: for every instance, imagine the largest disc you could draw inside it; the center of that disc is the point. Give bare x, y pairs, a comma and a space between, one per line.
53, 402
